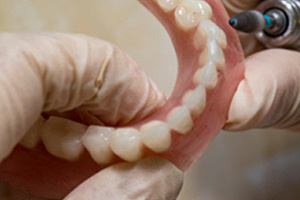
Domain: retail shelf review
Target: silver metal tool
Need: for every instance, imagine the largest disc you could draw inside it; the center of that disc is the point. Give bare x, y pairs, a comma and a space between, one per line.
276, 23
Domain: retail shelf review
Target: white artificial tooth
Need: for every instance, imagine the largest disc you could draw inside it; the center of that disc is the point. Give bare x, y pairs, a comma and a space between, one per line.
189, 13
150, 124
207, 29
156, 136
214, 53
197, 102
33, 137
168, 5
127, 144
187, 95
96, 140
181, 120
207, 76
62, 138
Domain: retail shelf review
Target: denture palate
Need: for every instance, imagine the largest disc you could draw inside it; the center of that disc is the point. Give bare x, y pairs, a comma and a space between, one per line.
103, 143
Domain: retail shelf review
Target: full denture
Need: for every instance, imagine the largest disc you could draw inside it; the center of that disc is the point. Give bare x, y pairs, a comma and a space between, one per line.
210, 66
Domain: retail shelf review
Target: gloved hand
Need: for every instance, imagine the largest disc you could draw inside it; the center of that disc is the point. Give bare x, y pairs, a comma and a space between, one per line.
45, 72
269, 95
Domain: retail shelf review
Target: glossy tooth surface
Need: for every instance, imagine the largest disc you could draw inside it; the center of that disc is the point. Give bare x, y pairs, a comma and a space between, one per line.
197, 101
156, 137
207, 29
207, 76
213, 52
127, 144
189, 13
62, 138
33, 136
96, 140
168, 5
181, 120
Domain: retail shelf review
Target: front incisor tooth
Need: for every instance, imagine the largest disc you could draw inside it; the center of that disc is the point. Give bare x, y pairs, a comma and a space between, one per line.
168, 5
197, 101
62, 138
214, 53
96, 140
156, 136
33, 137
206, 29
189, 13
127, 144
207, 76
181, 120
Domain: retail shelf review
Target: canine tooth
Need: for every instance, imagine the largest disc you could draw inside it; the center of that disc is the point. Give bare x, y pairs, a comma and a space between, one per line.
187, 95
62, 138
197, 102
189, 13
168, 5
214, 53
206, 29
181, 120
157, 136
96, 141
127, 144
32, 137
207, 76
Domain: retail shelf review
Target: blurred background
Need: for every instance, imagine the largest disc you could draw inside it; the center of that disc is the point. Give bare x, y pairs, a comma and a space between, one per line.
256, 164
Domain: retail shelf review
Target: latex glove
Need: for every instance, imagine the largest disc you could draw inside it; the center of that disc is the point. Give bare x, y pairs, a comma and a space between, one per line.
44, 72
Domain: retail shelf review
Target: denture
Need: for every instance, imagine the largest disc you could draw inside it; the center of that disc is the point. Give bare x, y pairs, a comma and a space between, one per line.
210, 66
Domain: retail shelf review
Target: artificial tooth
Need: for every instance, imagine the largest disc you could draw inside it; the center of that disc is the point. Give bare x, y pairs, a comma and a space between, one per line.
206, 29
186, 97
181, 120
33, 137
214, 53
207, 76
156, 136
197, 101
168, 5
62, 138
127, 143
96, 140
189, 13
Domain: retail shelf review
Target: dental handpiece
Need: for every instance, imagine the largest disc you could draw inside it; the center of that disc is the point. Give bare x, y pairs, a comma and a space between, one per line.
275, 23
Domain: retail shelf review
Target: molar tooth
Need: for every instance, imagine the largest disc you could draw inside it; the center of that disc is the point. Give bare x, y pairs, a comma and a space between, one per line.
156, 136
197, 101
33, 137
189, 13
181, 120
62, 138
207, 29
168, 5
214, 53
96, 140
207, 76
127, 144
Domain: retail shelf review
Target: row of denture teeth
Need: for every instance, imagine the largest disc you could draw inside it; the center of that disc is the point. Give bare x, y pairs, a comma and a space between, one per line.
67, 139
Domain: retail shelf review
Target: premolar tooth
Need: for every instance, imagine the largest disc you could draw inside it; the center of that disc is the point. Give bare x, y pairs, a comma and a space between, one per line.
168, 5
62, 138
181, 120
127, 144
189, 13
96, 140
214, 53
197, 101
156, 136
33, 137
207, 76
207, 29
186, 97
